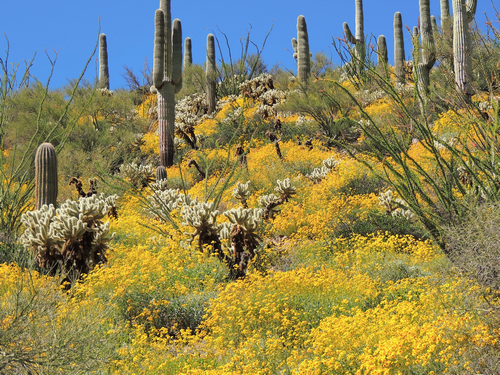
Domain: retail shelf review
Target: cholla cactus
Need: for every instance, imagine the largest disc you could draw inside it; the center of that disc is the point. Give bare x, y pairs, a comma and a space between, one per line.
285, 189
271, 201
331, 163
396, 207
244, 238
319, 173
71, 239
139, 175
203, 218
241, 193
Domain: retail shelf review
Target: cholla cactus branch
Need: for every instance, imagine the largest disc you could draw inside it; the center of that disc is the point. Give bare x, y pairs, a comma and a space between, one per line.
241, 193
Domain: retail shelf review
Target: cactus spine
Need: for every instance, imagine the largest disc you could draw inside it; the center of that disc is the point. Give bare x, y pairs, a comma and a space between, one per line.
463, 14
167, 77
103, 63
428, 52
210, 74
359, 39
301, 48
188, 56
45, 175
399, 48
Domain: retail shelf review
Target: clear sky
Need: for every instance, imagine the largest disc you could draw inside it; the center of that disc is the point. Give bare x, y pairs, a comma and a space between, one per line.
71, 28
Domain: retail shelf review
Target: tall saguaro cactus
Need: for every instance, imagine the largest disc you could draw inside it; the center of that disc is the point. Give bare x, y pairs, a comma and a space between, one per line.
167, 77
103, 63
359, 39
399, 48
45, 175
188, 56
210, 74
301, 48
463, 14
428, 51
382, 57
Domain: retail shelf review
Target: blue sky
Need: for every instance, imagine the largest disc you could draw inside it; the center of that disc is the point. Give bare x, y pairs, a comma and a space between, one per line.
71, 28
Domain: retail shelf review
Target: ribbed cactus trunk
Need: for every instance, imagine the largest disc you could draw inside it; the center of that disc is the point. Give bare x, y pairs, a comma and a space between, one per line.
46, 181
302, 50
399, 48
161, 173
382, 55
463, 14
428, 50
210, 74
188, 56
103, 63
357, 40
445, 19
167, 78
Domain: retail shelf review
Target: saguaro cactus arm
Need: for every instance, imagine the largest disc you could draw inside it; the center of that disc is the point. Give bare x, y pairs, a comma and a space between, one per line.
428, 55
159, 51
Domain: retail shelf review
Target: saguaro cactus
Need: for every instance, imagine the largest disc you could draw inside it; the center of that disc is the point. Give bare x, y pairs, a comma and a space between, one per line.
161, 173
359, 39
463, 14
301, 49
210, 74
428, 51
167, 77
382, 57
399, 48
45, 175
188, 56
103, 63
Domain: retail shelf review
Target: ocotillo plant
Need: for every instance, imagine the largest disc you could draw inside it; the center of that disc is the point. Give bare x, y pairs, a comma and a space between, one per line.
188, 56
210, 74
427, 57
301, 49
167, 77
399, 48
463, 14
45, 175
358, 40
103, 63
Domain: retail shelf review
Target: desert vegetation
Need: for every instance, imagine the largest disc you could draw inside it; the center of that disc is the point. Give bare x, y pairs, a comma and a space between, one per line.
239, 220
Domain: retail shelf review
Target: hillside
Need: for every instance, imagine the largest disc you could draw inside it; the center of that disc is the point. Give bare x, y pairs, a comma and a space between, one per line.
343, 220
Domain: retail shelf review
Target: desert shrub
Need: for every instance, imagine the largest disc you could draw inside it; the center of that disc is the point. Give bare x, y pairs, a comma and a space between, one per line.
474, 244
